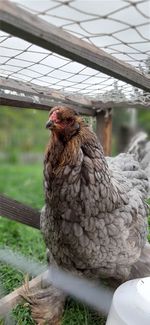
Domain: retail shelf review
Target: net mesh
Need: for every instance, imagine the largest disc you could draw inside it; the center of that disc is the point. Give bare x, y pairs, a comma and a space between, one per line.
121, 28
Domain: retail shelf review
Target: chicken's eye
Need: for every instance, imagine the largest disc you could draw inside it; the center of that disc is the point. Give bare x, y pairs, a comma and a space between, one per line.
69, 120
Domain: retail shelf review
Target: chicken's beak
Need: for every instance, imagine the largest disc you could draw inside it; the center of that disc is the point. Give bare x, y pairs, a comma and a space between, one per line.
49, 124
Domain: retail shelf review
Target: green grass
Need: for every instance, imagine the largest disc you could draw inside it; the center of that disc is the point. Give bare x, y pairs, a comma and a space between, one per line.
24, 183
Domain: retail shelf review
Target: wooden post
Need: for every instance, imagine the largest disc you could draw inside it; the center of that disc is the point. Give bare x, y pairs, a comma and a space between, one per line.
104, 130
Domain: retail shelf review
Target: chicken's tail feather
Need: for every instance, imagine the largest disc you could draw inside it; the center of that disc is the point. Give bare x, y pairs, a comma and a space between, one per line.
140, 148
137, 145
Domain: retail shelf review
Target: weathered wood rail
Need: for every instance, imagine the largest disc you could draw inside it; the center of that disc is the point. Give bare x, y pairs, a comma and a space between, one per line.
31, 28
20, 212
28, 95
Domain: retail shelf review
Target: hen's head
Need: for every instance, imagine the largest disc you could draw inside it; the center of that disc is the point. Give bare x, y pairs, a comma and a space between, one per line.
64, 122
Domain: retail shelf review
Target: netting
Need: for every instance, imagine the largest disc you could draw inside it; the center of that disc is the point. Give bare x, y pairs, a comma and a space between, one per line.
121, 28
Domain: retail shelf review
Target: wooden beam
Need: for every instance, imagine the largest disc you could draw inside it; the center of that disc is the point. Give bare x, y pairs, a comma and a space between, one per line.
41, 104
28, 95
104, 130
23, 24
99, 105
17, 211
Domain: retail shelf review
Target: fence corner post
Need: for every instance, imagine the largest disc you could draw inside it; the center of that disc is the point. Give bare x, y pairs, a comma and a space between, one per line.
104, 129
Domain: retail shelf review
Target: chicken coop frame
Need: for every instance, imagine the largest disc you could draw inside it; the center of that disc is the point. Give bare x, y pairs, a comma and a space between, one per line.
23, 24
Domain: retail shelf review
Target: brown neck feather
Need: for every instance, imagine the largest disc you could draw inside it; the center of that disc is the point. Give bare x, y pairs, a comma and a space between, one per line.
60, 153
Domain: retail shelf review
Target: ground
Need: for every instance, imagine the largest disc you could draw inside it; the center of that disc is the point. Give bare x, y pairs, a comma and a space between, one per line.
24, 183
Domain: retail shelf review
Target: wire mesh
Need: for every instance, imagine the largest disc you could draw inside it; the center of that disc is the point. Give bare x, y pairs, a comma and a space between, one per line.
121, 28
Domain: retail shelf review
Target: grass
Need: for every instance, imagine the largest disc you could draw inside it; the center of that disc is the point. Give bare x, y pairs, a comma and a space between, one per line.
24, 183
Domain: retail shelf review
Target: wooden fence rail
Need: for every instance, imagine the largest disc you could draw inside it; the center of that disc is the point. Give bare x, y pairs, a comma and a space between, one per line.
29, 95
17, 211
21, 94
31, 28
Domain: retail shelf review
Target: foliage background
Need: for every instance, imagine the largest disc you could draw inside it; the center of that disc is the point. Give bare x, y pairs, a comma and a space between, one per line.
23, 134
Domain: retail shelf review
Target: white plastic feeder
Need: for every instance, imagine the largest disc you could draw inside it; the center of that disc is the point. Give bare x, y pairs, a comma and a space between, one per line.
131, 304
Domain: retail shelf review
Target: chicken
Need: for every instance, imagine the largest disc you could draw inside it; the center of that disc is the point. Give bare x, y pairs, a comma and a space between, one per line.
140, 148
94, 221
95, 216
